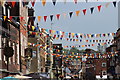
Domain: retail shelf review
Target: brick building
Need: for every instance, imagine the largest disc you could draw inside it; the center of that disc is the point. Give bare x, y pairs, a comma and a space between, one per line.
10, 37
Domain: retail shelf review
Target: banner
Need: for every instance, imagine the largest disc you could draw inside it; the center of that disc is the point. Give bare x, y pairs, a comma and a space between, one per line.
84, 11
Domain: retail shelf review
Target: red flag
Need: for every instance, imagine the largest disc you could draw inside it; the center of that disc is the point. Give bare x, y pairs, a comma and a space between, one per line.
21, 18
54, 36
50, 31
67, 39
99, 7
13, 3
92, 44
58, 16
10, 17
33, 2
45, 17
84, 11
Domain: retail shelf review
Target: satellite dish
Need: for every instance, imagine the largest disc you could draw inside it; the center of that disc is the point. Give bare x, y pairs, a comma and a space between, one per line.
8, 51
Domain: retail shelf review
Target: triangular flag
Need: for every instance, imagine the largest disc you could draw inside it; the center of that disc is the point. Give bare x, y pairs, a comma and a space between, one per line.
39, 18
70, 14
45, 17
51, 17
13, 3
58, 16
84, 11
75, 1
21, 18
77, 13
33, 2
43, 2
54, 2
64, 14
91, 9
33, 28
107, 4
114, 3
99, 7
5, 18
10, 18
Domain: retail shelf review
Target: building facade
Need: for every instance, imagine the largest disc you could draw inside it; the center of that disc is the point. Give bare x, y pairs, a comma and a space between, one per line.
10, 37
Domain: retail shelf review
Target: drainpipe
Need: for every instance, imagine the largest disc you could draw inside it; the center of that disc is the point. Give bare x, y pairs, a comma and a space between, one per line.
20, 50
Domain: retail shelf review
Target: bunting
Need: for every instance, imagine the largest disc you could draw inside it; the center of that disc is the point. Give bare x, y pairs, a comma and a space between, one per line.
71, 13
10, 17
43, 2
81, 56
58, 16
45, 18
77, 35
54, 2
84, 11
77, 13
13, 3
74, 40
51, 17
5, 17
21, 18
91, 9
33, 3
99, 7
39, 18
114, 3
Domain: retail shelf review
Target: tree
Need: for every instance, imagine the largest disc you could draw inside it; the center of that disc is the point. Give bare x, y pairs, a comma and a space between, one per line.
75, 50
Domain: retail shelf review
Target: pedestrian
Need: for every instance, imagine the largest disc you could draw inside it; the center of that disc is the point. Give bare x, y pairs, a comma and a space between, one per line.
117, 70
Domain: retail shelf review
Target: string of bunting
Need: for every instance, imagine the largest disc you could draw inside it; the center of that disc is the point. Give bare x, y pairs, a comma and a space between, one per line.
54, 2
51, 17
86, 56
60, 34
88, 45
88, 41
26, 2
47, 46
73, 55
76, 40
36, 31
57, 36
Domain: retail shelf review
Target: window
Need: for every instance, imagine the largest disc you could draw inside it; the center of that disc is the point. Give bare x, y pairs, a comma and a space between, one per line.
104, 72
104, 64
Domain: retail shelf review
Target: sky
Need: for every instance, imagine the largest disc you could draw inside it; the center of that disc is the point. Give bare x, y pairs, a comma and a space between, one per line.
105, 21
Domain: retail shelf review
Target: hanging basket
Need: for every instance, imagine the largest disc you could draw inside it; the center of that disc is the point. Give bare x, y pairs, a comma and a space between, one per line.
8, 51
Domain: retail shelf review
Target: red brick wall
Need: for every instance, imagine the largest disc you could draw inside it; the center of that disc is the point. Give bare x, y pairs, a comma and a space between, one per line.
98, 65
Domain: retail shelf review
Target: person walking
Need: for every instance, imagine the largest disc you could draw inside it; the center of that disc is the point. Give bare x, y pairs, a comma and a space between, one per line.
117, 70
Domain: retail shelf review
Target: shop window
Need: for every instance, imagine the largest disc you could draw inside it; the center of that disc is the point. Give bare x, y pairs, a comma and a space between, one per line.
103, 64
